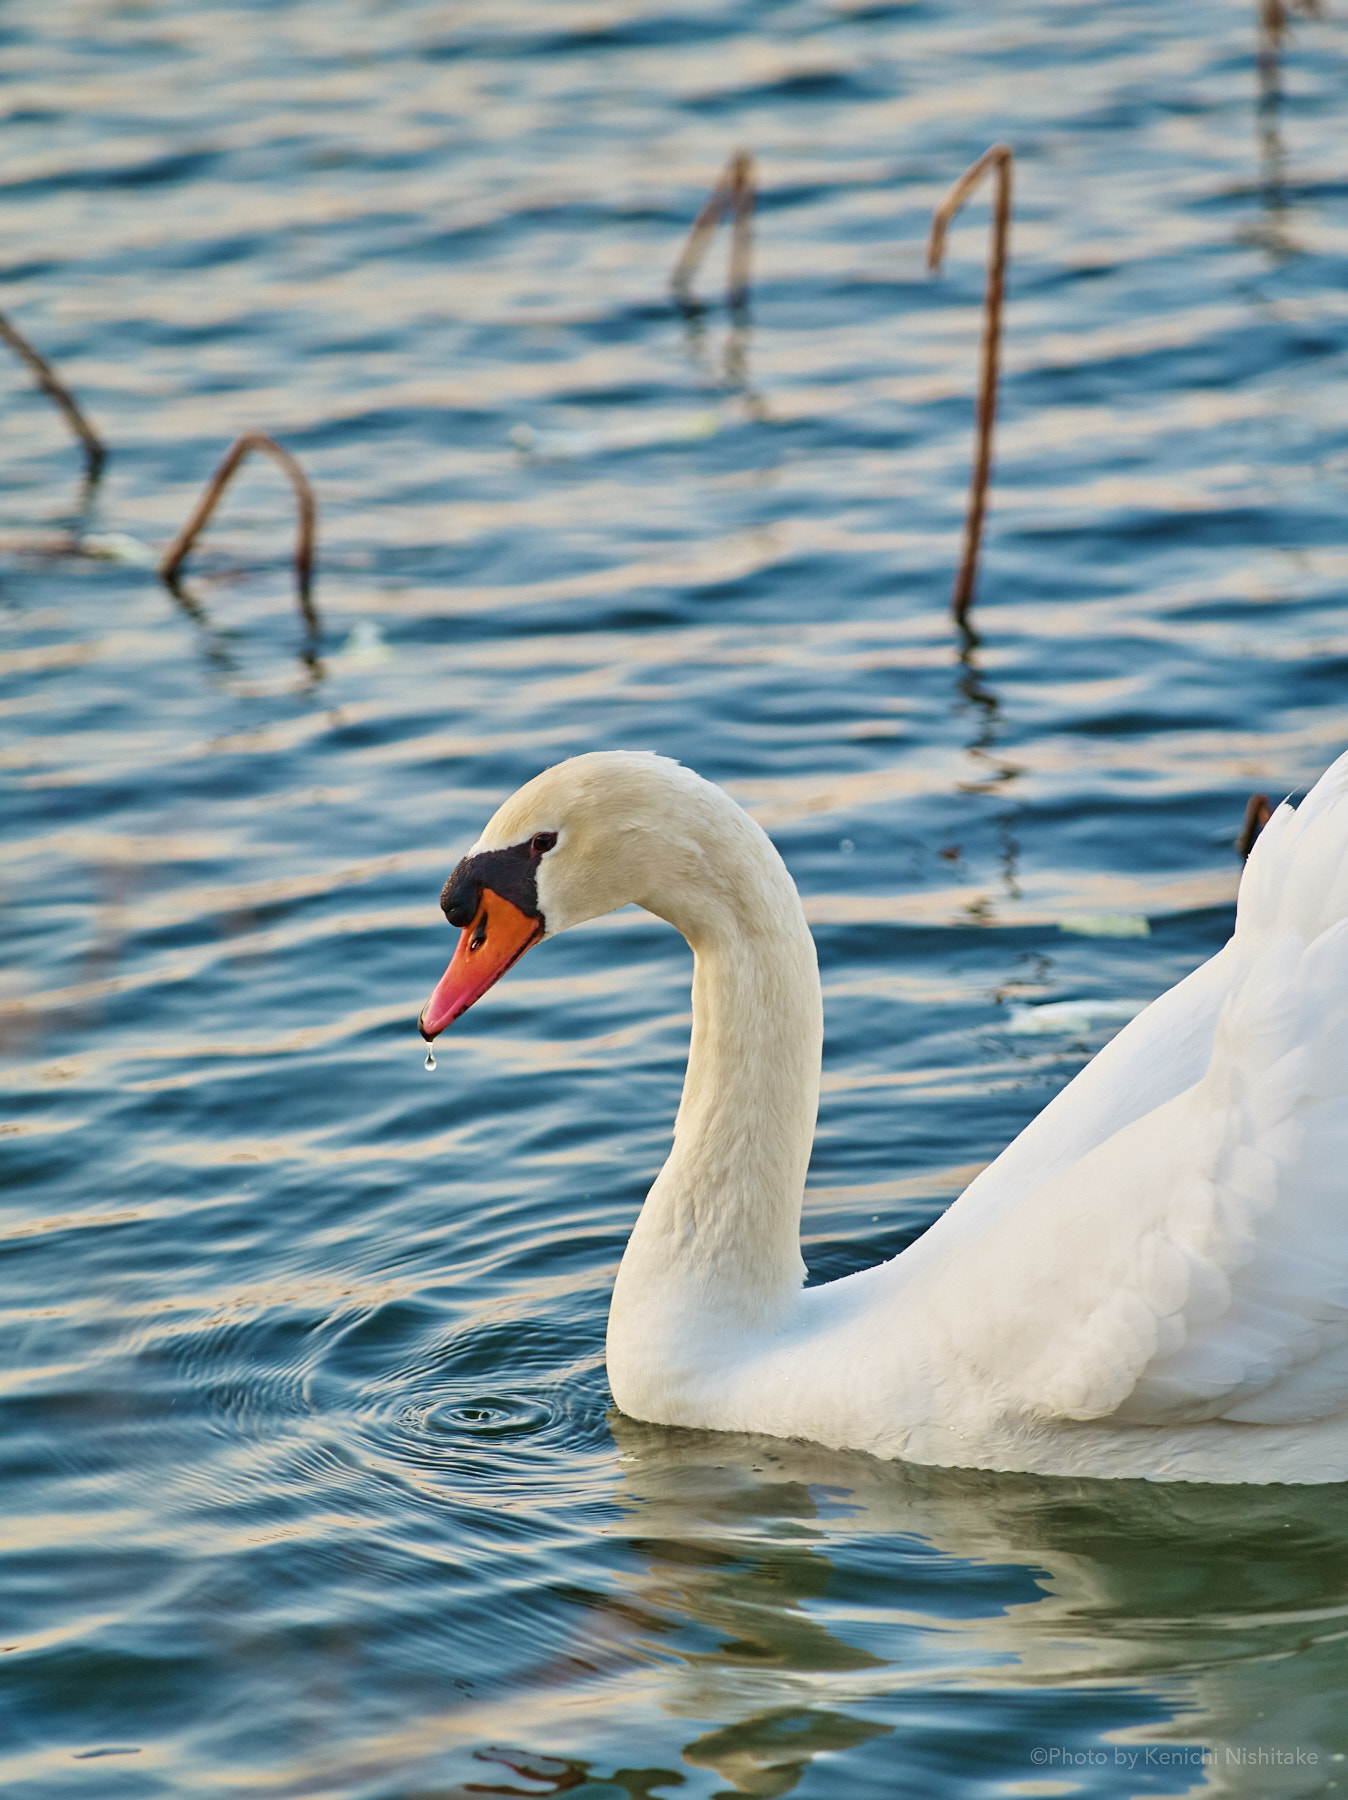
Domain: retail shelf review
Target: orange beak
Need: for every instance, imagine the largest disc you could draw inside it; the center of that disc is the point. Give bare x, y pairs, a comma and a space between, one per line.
497, 937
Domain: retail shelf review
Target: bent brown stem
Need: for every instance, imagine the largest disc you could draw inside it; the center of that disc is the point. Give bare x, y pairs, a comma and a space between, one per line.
1257, 815
1001, 158
95, 454
734, 192
177, 551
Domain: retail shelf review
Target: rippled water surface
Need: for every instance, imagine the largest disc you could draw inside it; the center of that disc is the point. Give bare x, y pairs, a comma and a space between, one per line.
311, 1481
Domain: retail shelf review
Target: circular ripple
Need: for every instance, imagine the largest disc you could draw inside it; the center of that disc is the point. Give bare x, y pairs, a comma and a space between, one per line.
488, 1416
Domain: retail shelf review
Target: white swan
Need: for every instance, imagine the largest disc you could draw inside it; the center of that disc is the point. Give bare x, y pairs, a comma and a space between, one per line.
1152, 1280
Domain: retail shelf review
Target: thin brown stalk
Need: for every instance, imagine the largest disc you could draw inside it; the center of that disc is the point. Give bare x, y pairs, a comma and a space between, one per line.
733, 193
307, 512
1273, 14
51, 384
1275, 27
1000, 158
1272, 30
1257, 815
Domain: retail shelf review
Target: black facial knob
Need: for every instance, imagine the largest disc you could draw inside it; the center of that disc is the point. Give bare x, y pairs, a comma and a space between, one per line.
461, 897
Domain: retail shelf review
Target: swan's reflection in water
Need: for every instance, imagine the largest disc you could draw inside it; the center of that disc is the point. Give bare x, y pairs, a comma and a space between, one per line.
810, 1602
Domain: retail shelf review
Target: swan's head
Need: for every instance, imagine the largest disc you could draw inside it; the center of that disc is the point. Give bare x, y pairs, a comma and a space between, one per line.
579, 840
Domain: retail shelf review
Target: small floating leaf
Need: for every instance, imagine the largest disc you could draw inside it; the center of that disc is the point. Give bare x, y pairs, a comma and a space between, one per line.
120, 547
1114, 925
1071, 1016
365, 648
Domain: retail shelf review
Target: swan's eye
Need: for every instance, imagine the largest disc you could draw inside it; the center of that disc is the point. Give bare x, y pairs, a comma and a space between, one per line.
542, 840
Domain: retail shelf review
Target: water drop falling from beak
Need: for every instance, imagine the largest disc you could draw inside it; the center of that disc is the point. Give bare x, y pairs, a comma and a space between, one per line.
430, 1060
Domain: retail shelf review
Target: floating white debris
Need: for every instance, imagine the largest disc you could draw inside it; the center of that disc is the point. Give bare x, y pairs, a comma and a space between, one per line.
365, 648
1071, 1016
120, 546
1116, 925
430, 1060
568, 446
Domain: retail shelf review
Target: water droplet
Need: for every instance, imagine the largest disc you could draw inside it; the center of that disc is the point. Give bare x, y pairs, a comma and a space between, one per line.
430, 1060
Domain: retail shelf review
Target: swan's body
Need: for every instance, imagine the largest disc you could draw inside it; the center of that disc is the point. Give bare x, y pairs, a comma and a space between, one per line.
1152, 1280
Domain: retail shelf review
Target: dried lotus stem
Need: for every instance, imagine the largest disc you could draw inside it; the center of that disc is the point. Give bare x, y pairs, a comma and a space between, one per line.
1274, 28
1257, 815
178, 550
95, 455
1273, 15
734, 192
1000, 158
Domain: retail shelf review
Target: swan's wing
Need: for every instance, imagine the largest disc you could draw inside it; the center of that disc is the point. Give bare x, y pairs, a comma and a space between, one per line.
1158, 1055
1296, 879
1195, 1264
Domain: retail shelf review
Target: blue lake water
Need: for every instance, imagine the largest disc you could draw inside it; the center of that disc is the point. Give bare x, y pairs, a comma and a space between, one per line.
311, 1483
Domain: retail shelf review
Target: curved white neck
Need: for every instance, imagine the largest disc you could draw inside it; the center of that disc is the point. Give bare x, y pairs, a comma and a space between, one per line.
716, 1250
